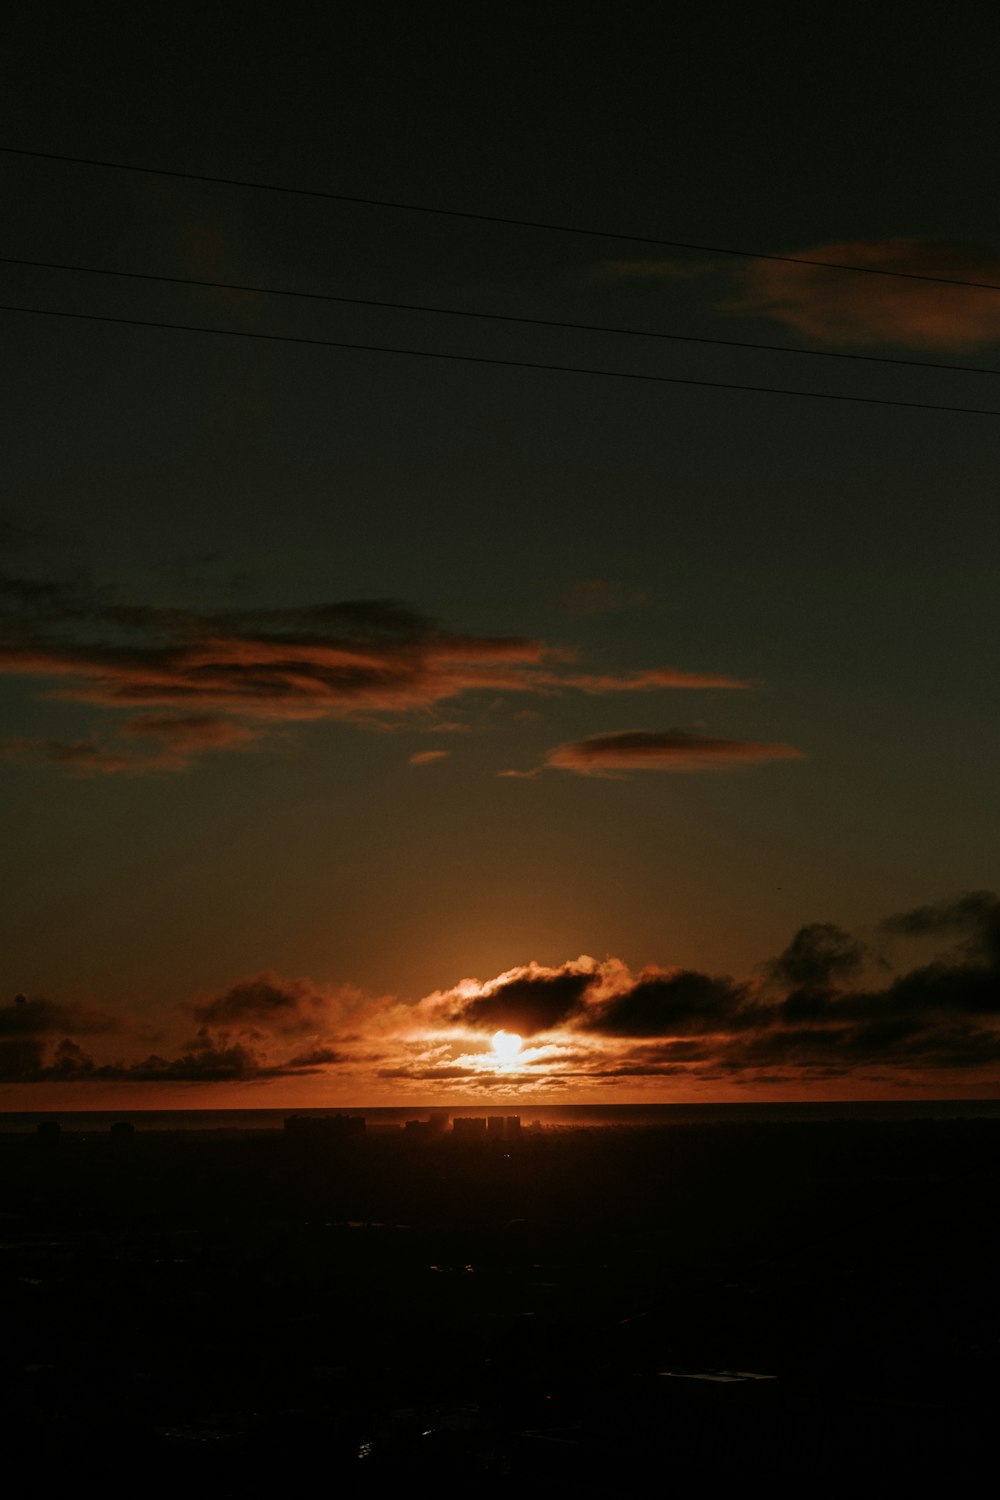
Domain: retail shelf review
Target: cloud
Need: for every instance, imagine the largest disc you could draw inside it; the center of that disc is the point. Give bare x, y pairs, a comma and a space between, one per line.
190, 732
817, 955
811, 1016
826, 1007
527, 1001
314, 1057
666, 750
427, 757
976, 915
208, 1060
181, 738
860, 311
37, 1017
672, 1003
82, 757
267, 1002
650, 680
229, 679
278, 664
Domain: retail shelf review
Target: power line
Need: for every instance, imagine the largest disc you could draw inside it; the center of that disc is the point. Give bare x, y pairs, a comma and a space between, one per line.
512, 364
456, 213
459, 312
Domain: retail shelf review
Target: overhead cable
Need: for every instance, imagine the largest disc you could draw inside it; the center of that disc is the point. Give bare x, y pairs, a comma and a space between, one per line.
456, 213
513, 364
461, 312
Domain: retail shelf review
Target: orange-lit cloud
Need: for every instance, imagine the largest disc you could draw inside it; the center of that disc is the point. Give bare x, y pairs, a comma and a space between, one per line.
427, 757
662, 750
861, 311
856, 311
650, 680
231, 680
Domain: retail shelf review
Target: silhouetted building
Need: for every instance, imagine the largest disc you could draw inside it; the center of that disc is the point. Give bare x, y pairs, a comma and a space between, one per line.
469, 1128
513, 1127
496, 1127
122, 1133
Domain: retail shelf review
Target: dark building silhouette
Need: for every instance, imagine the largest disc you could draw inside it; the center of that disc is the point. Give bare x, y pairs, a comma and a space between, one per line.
469, 1128
122, 1133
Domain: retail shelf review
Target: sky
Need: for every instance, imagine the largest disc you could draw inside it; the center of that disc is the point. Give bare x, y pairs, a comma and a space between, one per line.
359, 706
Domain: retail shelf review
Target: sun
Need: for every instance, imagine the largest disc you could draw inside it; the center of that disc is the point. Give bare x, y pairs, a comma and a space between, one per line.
506, 1045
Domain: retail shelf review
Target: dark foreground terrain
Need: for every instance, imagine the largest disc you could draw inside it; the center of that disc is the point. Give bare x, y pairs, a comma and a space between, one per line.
228, 1314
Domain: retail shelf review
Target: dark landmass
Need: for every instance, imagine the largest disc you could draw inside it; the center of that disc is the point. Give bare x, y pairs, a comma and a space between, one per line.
232, 1313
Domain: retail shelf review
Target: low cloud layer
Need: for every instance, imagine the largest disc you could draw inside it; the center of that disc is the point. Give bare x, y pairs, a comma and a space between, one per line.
827, 1007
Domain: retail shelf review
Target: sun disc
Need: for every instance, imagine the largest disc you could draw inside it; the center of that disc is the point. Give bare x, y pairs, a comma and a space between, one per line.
506, 1045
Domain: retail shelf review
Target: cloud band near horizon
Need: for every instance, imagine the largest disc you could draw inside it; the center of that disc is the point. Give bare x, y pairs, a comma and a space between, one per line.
823, 1008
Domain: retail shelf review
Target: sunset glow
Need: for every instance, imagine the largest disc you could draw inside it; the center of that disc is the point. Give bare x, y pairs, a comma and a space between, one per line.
444, 695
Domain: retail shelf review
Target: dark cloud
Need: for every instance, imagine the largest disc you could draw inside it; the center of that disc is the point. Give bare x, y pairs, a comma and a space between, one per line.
682, 1001
211, 1062
976, 915
528, 1003
208, 1060
37, 1017
284, 1007
22, 1060
314, 1057
817, 955
662, 750
434, 1070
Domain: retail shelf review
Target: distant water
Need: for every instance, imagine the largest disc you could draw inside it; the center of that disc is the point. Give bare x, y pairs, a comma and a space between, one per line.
548, 1115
